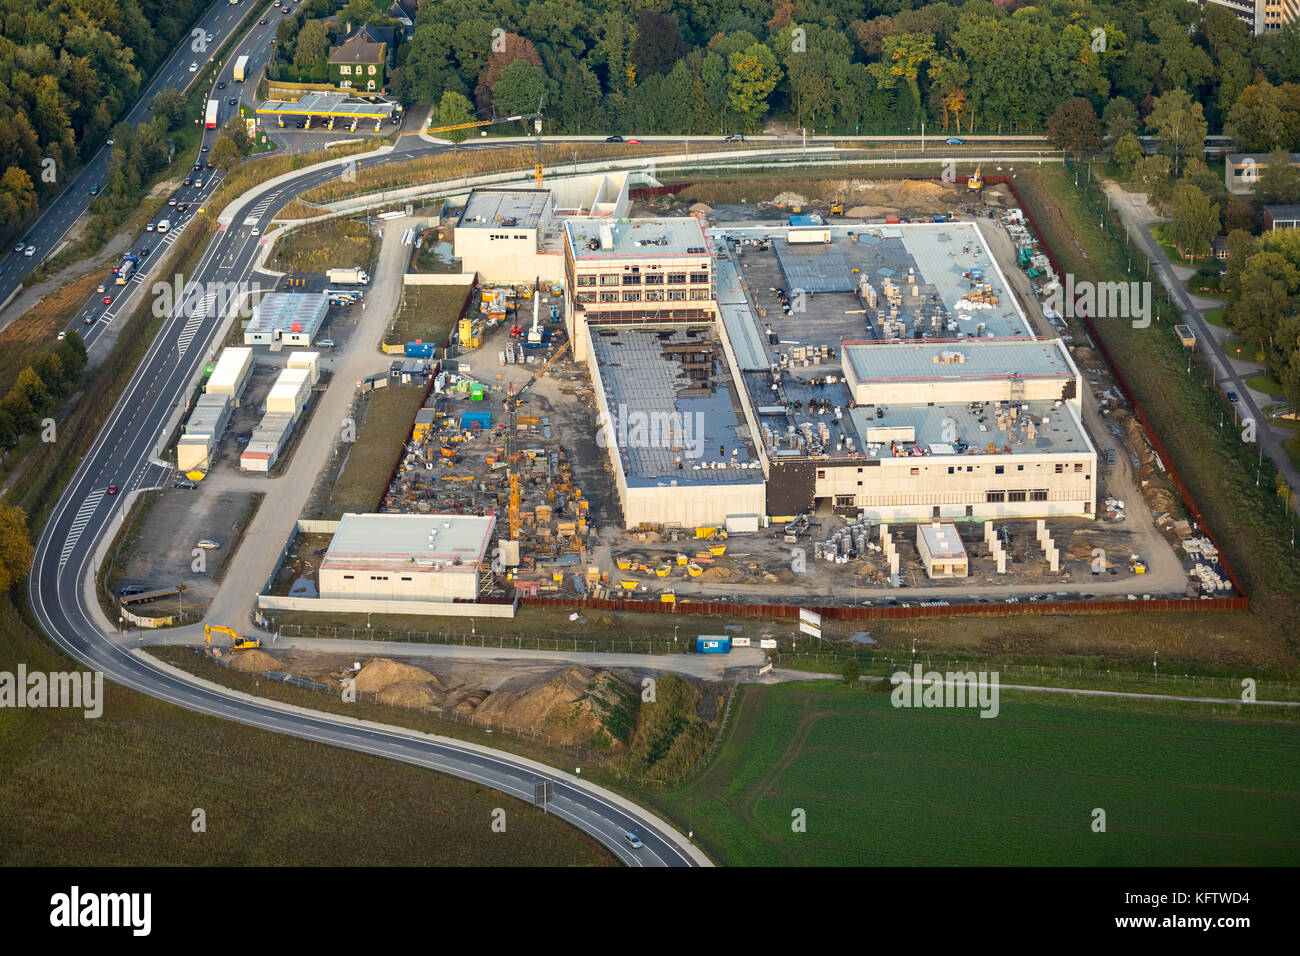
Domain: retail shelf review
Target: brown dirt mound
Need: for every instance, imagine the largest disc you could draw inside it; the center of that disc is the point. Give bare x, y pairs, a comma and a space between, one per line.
254, 661
702, 207
914, 190
381, 672
865, 212
571, 706
718, 574
419, 695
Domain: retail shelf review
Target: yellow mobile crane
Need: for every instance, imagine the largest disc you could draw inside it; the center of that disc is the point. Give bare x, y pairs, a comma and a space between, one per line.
536, 117
239, 643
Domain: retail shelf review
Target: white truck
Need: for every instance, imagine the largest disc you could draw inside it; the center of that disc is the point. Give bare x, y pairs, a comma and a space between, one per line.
347, 276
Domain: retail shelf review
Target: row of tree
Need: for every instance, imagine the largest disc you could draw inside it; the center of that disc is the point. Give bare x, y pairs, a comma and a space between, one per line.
68, 70
1263, 285
50, 376
835, 64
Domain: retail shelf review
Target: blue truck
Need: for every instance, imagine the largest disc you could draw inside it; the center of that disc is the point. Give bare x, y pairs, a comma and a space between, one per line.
712, 644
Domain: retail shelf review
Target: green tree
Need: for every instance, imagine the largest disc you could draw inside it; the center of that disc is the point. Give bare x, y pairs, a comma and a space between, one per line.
225, 154
169, 109
1180, 124
1151, 173
454, 108
1128, 152
657, 45
32, 388
1279, 181
313, 45
1195, 221
521, 88
1119, 117
15, 547
904, 56
752, 75
851, 671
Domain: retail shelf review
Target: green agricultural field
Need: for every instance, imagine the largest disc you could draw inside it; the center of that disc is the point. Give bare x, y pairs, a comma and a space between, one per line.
1181, 784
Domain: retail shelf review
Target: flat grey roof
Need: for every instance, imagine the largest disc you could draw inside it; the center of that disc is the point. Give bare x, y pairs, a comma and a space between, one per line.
942, 541
329, 104
1284, 211
504, 208
424, 542
983, 359
966, 428
278, 311
678, 236
645, 387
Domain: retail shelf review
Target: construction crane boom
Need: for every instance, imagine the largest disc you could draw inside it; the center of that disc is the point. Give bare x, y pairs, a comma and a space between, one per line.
536, 117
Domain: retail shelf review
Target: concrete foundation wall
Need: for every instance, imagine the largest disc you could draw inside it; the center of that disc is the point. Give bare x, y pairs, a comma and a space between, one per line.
343, 606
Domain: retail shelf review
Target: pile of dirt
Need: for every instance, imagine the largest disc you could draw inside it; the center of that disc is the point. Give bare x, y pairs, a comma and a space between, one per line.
254, 661
718, 574
789, 199
379, 673
865, 212
414, 694
578, 705
916, 190
701, 208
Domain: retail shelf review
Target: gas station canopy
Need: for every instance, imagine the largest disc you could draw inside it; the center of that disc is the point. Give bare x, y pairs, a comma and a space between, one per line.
330, 106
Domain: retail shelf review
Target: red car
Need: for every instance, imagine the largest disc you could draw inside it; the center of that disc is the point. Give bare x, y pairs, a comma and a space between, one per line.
108, 300
634, 142
112, 489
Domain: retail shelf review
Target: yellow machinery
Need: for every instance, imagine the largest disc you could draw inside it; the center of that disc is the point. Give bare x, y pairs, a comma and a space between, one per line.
976, 181
237, 642
837, 208
470, 337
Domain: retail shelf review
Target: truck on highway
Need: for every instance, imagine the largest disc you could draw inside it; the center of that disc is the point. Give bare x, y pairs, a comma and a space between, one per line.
122, 274
164, 225
241, 67
210, 118
347, 276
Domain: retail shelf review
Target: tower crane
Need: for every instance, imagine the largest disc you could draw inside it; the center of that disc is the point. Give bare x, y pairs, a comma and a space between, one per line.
535, 116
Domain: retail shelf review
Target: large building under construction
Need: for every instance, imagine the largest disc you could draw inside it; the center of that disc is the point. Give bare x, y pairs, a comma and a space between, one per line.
877, 371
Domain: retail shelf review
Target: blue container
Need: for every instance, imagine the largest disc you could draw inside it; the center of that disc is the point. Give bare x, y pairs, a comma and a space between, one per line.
419, 349
803, 221
712, 644
469, 419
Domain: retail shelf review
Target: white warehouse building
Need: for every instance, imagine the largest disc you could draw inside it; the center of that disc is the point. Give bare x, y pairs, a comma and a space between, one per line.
398, 557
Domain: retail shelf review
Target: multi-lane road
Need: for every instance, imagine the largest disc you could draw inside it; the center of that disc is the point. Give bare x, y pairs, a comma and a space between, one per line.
60, 216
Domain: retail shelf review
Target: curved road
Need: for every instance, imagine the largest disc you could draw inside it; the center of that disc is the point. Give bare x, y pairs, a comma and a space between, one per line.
60, 588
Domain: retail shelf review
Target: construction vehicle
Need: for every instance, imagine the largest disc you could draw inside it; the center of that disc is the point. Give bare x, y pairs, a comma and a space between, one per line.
237, 643
837, 207
976, 182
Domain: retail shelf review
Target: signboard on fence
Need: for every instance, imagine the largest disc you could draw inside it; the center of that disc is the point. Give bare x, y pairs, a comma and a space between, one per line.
740, 642
767, 644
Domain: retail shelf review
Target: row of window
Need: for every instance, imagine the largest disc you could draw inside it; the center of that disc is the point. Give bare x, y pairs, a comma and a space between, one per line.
672, 278
994, 497
505, 236
346, 70
671, 296
373, 577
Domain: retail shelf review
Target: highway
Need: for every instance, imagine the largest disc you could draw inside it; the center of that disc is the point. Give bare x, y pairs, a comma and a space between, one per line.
60, 216
63, 601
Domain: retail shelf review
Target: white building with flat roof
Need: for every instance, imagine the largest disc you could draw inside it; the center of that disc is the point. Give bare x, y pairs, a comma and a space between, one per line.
397, 557
291, 318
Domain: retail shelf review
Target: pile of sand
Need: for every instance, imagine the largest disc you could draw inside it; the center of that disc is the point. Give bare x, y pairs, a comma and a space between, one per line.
254, 661
789, 199
702, 208
572, 706
915, 190
865, 212
419, 695
381, 672
718, 574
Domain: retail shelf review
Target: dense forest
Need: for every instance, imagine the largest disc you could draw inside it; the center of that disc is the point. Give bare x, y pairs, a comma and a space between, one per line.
839, 66
68, 70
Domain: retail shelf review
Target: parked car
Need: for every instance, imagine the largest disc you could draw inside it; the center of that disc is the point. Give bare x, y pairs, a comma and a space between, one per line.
613, 139
1232, 396
208, 544
185, 483
956, 141
301, 124
132, 589
62, 335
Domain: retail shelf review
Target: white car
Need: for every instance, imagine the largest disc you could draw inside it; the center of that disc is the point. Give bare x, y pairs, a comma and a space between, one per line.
209, 545
149, 228
29, 251
194, 68
63, 335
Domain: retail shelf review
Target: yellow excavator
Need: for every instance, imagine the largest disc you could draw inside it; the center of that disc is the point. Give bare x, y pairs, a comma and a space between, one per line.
238, 643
